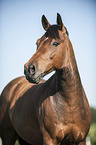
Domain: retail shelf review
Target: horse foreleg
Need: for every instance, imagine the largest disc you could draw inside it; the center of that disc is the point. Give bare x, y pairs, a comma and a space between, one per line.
9, 141
47, 140
9, 137
83, 143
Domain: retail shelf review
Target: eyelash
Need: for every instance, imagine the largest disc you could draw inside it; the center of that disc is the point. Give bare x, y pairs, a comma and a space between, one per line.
55, 43
36, 43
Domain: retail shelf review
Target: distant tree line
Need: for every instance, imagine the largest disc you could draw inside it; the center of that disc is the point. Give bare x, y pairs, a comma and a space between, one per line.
93, 115
92, 132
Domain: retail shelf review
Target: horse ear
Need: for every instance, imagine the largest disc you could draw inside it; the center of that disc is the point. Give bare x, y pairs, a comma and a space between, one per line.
45, 23
60, 23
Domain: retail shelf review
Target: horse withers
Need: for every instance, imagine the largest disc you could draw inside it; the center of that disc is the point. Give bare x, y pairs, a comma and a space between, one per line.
52, 112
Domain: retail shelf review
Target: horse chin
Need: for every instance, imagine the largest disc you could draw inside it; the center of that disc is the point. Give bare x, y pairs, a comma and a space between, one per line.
33, 81
36, 80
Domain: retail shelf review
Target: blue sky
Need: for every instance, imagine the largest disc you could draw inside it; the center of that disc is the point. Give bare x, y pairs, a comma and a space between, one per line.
20, 27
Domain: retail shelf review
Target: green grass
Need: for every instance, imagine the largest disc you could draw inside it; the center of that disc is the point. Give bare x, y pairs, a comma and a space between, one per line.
92, 134
16, 143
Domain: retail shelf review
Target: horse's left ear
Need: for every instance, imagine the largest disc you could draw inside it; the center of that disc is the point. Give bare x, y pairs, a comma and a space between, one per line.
45, 23
60, 23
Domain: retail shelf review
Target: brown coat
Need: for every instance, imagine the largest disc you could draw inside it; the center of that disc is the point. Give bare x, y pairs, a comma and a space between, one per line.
53, 112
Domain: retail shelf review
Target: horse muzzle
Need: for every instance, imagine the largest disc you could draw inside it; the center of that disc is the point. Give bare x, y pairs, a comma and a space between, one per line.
31, 75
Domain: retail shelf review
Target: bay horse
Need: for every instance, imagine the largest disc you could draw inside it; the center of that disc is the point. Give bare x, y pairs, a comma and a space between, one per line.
52, 112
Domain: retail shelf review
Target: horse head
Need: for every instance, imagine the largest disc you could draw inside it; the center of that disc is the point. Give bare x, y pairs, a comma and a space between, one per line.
51, 51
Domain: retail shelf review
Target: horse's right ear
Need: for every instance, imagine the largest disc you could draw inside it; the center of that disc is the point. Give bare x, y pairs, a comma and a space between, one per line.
60, 23
45, 23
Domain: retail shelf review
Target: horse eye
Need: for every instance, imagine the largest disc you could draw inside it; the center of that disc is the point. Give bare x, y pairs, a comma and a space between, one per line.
55, 43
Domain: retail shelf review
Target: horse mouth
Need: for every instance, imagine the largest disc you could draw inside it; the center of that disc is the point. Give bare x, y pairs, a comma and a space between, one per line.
36, 79
32, 79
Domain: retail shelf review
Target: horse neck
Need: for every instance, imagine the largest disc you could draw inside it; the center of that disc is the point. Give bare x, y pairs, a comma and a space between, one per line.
69, 83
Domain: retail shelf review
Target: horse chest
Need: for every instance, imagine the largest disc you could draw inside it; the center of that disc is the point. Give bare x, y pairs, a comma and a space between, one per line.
55, 121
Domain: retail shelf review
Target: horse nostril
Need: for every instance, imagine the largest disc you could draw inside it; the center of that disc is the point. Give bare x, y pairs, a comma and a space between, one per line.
31, 69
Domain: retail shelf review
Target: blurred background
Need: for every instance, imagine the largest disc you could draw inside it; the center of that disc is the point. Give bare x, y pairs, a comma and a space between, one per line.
20, 27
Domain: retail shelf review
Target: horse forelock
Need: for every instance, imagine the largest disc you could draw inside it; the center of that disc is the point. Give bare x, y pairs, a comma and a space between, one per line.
52, 32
